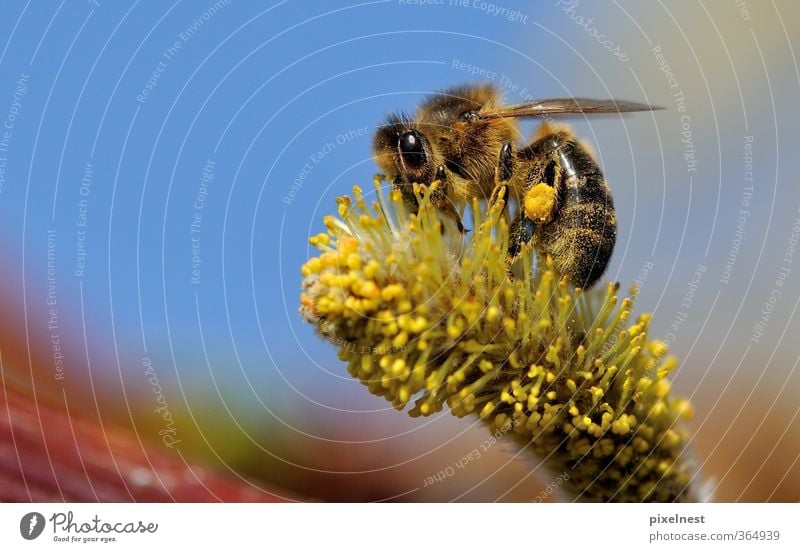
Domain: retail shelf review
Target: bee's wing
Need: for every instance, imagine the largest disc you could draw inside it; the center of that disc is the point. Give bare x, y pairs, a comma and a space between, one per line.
561, 106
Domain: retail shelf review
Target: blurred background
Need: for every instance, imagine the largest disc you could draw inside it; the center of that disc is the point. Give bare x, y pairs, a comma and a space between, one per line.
162, 165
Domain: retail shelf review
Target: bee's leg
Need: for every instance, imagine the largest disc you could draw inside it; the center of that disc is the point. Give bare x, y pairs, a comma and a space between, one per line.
519, 236
522, 229
503, 173
407, 193
441, 200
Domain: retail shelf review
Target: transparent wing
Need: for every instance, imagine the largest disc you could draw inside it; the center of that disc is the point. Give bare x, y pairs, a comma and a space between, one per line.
563, 106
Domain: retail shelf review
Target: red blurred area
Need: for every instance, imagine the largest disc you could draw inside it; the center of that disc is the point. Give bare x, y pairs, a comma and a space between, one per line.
50, 454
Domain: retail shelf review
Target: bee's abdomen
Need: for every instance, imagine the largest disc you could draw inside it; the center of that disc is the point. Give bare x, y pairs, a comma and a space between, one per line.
580, 241
581, 237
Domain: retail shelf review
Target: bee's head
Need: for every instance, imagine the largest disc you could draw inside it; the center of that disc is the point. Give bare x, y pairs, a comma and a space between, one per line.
403, 152
468, 143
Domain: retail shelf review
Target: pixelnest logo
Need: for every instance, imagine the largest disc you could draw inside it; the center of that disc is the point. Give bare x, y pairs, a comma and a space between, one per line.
31, 525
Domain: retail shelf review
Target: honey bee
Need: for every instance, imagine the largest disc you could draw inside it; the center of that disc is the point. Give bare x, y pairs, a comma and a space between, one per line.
465, 138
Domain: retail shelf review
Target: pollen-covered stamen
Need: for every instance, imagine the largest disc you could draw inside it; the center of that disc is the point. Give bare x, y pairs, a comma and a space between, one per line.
432, 317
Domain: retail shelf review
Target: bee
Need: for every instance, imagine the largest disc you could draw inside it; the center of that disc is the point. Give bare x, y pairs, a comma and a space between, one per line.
465, 139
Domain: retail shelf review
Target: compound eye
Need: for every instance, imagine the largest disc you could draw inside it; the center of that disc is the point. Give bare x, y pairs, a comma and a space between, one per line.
411, 148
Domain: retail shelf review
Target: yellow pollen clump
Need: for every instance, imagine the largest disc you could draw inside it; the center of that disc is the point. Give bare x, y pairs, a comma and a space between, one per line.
539, 202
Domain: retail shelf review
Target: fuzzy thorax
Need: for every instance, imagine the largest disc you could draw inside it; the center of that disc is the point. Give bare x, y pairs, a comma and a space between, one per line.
422, 314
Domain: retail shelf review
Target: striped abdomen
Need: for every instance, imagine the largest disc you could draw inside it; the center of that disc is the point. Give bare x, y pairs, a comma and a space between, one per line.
581, 235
